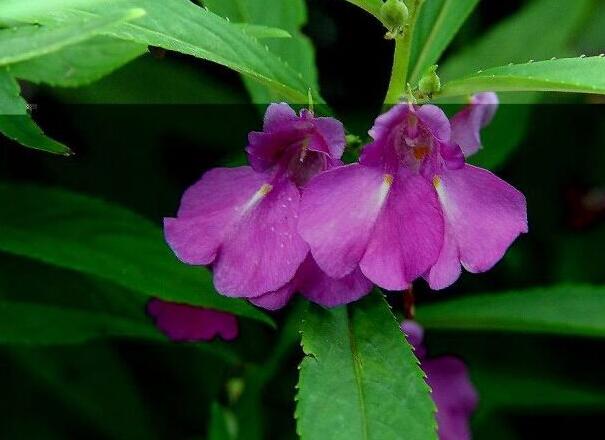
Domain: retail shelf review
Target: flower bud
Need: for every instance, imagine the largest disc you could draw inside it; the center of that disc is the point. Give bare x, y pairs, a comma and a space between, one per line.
394, 15
430, 83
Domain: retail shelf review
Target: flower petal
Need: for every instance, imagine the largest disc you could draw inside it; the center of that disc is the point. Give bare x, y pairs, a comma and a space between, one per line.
337, 215
208, 209
485, 214
265, 250
447, 269
318, 287
408, 234
276, 300
278, 116
467, 124
181, 322
436, 121
332, 134
453, 394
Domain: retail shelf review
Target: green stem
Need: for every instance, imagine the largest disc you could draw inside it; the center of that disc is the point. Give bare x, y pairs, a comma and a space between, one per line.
401, 57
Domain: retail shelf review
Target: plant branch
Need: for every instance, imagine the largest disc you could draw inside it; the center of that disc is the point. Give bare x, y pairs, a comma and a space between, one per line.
401, 57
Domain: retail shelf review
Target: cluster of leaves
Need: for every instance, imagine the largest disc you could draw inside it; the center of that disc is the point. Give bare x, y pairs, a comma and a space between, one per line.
99, 263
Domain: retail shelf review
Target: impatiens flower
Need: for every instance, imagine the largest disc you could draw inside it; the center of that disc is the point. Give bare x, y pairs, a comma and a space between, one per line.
243, 221
181, 322
467, 124
411, 207
452, 391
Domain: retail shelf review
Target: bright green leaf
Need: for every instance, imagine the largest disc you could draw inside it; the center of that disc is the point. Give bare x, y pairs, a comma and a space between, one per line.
37, 324
23, 129
571, 75
370, 6
11, 102
90, 236
540, 30
566, 310
290, 15
79, 64
533, 38
437, 25
180, 25
263, 32
26, 42
359, 378
16, 124
136, 83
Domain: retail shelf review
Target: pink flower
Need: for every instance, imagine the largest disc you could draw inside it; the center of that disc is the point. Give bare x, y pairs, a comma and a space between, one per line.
243, 221
467, 124
410, 208
452, 391
181, 322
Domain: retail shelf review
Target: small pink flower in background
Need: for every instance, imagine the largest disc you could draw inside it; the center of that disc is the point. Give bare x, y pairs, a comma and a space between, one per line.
412, 207
243, 221
452, 391
181, 322
467, 124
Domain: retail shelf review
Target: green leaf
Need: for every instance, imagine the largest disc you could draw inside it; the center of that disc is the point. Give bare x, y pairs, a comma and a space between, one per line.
359, 378
290, 15
570, 75
540, 30
26, 42
11, 102
37, 324
437, 25
136, 83
16, 124
180, 25
370, 6
90, 236
79, 64
25, 131
263, 32
563, 310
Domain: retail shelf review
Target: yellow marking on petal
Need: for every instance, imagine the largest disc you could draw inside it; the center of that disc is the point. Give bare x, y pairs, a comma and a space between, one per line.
265, 189
257, 197
383, 192
436, 182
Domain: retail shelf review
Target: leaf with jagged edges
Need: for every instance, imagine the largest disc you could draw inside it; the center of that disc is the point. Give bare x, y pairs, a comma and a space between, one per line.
181, 26
568, 75
438, 24
290, 15
17, 124
359, 378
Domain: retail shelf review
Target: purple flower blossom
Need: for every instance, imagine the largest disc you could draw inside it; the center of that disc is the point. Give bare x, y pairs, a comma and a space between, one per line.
467, 124
181, 322
452, 391
411, 207
243, 221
